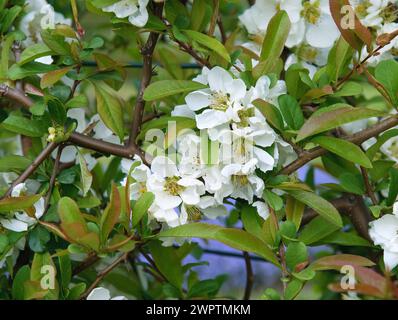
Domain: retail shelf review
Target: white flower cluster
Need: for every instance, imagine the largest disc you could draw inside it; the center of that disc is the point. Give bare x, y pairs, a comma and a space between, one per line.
384, 232
134, 10
189, 186
313, 31
312, 34
40, 15
381, 17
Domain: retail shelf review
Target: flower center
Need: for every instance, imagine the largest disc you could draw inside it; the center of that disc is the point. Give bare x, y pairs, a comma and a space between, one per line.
172, 187
362, 9
244, 115
220, 101
241, 180
307, 53
390, 13
194, 213
311, 12
142, 188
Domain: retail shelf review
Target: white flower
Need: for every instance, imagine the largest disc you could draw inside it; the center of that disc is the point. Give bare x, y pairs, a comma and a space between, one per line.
39, 16
101, 293
135, 10
170, 188
243, 145
317, 26
222, 99
22, 221
384, 232
243, 183
256, 18
373, 13
311, 21
140, 175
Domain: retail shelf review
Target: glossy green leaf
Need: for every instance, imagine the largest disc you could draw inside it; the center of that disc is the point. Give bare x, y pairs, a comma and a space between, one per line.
332, 117
209, 42
165, 88
234, 238
320, 205
141, 207
344, 149
291, 111
110, 109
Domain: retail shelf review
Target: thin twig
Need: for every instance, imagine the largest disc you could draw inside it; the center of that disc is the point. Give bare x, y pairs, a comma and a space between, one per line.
368, 186
214, 17
249, 276
44, 154
147, 53
53, 178
103, 274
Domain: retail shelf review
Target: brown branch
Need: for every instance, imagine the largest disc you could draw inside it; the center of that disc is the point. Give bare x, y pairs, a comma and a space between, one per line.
368, 186
147, 53
44, 154
249, 276
103, 274
53, 178
87, 263
356, 138
214, 17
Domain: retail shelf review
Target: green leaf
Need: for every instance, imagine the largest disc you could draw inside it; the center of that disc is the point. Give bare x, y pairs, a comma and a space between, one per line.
161, 123
86, 176
273, 200
17, 72
164, 88
38, 273
209, 42
386, 73
344, 149
34, 52
69, 211
275, 36
14, 163
335, 262
252, 222
65, 267
296, 253
24, 126
320, 205
141, 207
346, 239
338, 59
109, 108
350, 88
9, 17
234, 238
393, 190
52, 77
22, 276
198, 14
168, 263
352, 183
12, 204
317, 229
111, 213
271, 113
294, 211
293, 289
332, 117
291, 111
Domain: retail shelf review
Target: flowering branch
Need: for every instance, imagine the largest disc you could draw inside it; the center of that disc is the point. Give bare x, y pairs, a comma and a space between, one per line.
357, 138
